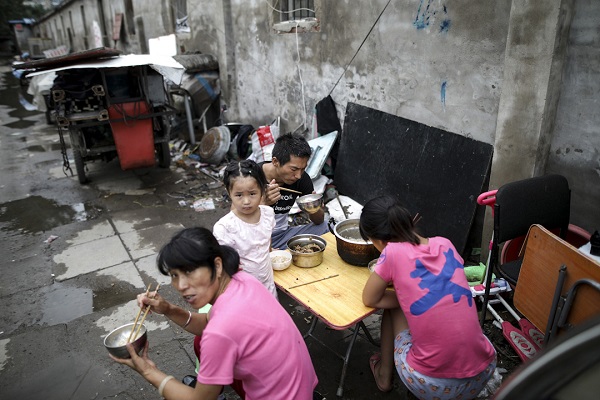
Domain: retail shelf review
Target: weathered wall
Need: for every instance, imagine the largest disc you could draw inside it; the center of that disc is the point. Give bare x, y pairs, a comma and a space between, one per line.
523, 76
575, 147
147, 19
436, 63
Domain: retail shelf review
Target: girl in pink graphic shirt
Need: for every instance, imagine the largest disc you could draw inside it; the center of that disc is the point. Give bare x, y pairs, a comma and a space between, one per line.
430, 330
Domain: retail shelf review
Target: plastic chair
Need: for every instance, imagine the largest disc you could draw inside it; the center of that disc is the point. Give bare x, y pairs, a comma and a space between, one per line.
543, 200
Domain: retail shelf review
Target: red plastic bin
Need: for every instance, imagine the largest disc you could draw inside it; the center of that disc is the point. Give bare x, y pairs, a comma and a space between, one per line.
134, 137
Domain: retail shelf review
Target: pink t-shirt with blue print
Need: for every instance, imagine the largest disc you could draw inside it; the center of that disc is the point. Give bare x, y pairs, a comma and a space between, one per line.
433, 292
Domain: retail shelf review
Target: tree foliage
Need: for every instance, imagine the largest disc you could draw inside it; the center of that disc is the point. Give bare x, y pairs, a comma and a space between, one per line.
15, 9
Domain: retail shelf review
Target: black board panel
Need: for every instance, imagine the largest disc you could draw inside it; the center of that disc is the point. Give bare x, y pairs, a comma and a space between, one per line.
433, 172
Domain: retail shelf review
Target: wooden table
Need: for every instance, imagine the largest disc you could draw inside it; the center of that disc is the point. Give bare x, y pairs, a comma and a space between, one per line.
332, 291
544, 255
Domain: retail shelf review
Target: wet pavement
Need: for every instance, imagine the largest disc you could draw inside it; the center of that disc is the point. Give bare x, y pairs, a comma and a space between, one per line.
75, 256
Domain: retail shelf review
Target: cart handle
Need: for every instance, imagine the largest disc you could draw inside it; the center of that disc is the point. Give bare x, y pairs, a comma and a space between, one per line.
487, 198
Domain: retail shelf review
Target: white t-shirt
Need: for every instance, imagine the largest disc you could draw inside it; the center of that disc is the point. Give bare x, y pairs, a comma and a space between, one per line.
252, 242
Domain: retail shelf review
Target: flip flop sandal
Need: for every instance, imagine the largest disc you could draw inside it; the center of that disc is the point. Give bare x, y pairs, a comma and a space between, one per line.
373, 361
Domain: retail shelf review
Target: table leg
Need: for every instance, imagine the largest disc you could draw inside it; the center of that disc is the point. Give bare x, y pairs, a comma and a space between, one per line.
312, 328
367, 333
346, 359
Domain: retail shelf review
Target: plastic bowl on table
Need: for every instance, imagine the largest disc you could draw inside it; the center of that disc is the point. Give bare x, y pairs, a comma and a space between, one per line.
280, 259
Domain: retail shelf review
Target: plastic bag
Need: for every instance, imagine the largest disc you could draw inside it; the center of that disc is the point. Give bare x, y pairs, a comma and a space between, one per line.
492, 385
263, 141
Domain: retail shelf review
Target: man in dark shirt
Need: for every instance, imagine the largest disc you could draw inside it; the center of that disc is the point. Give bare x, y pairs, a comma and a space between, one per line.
287, 169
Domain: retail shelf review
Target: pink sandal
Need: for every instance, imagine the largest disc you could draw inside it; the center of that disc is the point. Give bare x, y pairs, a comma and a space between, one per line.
373, 361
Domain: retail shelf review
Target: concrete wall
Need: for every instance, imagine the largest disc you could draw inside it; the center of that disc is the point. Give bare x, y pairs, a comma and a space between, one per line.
424, 60
575, 147
521, 75
143, 20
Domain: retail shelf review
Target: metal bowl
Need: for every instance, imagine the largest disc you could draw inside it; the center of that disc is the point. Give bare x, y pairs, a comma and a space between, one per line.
116, 340
311, 203
306, 260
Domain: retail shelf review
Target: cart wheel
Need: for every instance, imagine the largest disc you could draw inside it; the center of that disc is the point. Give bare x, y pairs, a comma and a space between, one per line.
164, 155
79, 166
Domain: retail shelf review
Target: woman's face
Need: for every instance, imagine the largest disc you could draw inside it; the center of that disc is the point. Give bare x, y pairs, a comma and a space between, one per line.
195, 286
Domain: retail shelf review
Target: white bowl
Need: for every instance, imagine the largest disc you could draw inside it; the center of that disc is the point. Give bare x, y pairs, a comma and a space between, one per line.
281, 259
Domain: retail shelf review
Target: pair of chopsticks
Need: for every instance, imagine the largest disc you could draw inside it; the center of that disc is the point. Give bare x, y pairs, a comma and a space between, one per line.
289, 190
138, 317
416, 218
318, 280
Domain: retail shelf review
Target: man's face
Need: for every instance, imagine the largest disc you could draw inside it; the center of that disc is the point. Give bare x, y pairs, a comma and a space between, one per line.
292, 170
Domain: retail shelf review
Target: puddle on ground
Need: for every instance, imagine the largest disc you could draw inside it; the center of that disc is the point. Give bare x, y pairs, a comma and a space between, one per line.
11, 95
63, 304
109, 297
37, 214
20, 124
38, 148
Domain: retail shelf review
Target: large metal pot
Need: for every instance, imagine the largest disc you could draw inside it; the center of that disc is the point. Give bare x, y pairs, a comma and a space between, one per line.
350, 245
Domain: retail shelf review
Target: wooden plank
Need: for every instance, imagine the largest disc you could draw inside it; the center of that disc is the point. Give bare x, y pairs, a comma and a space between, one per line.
73, 58
434, 172
337, 300
544, 254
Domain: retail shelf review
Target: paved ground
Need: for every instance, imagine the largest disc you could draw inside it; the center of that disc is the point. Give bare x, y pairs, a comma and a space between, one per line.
75, 256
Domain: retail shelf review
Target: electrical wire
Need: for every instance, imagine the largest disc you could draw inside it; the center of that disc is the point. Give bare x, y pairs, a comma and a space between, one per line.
359, 47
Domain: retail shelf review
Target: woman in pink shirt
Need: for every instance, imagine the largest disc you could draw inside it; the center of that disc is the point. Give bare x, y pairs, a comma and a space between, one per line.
246, 335
430, 330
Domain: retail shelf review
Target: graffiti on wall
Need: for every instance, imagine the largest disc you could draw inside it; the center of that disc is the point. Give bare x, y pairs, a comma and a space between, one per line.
429, 12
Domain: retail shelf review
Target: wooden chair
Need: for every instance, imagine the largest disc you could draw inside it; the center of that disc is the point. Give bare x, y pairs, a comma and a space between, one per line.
543, 200
558, 287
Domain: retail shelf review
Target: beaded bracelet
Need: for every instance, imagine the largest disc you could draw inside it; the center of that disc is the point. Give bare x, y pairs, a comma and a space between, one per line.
188, 320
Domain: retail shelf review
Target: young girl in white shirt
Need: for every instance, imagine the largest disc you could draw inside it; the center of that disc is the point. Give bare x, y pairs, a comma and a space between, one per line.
248, 226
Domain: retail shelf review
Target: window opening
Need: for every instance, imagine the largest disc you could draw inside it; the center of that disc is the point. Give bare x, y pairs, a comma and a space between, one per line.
129, 17
295, 9
291, 16
181, 16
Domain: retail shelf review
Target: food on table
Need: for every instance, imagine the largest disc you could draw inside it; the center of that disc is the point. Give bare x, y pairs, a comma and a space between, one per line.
307, 248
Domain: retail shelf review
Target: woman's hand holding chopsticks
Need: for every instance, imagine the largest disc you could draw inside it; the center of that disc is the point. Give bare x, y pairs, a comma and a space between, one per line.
135, 329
